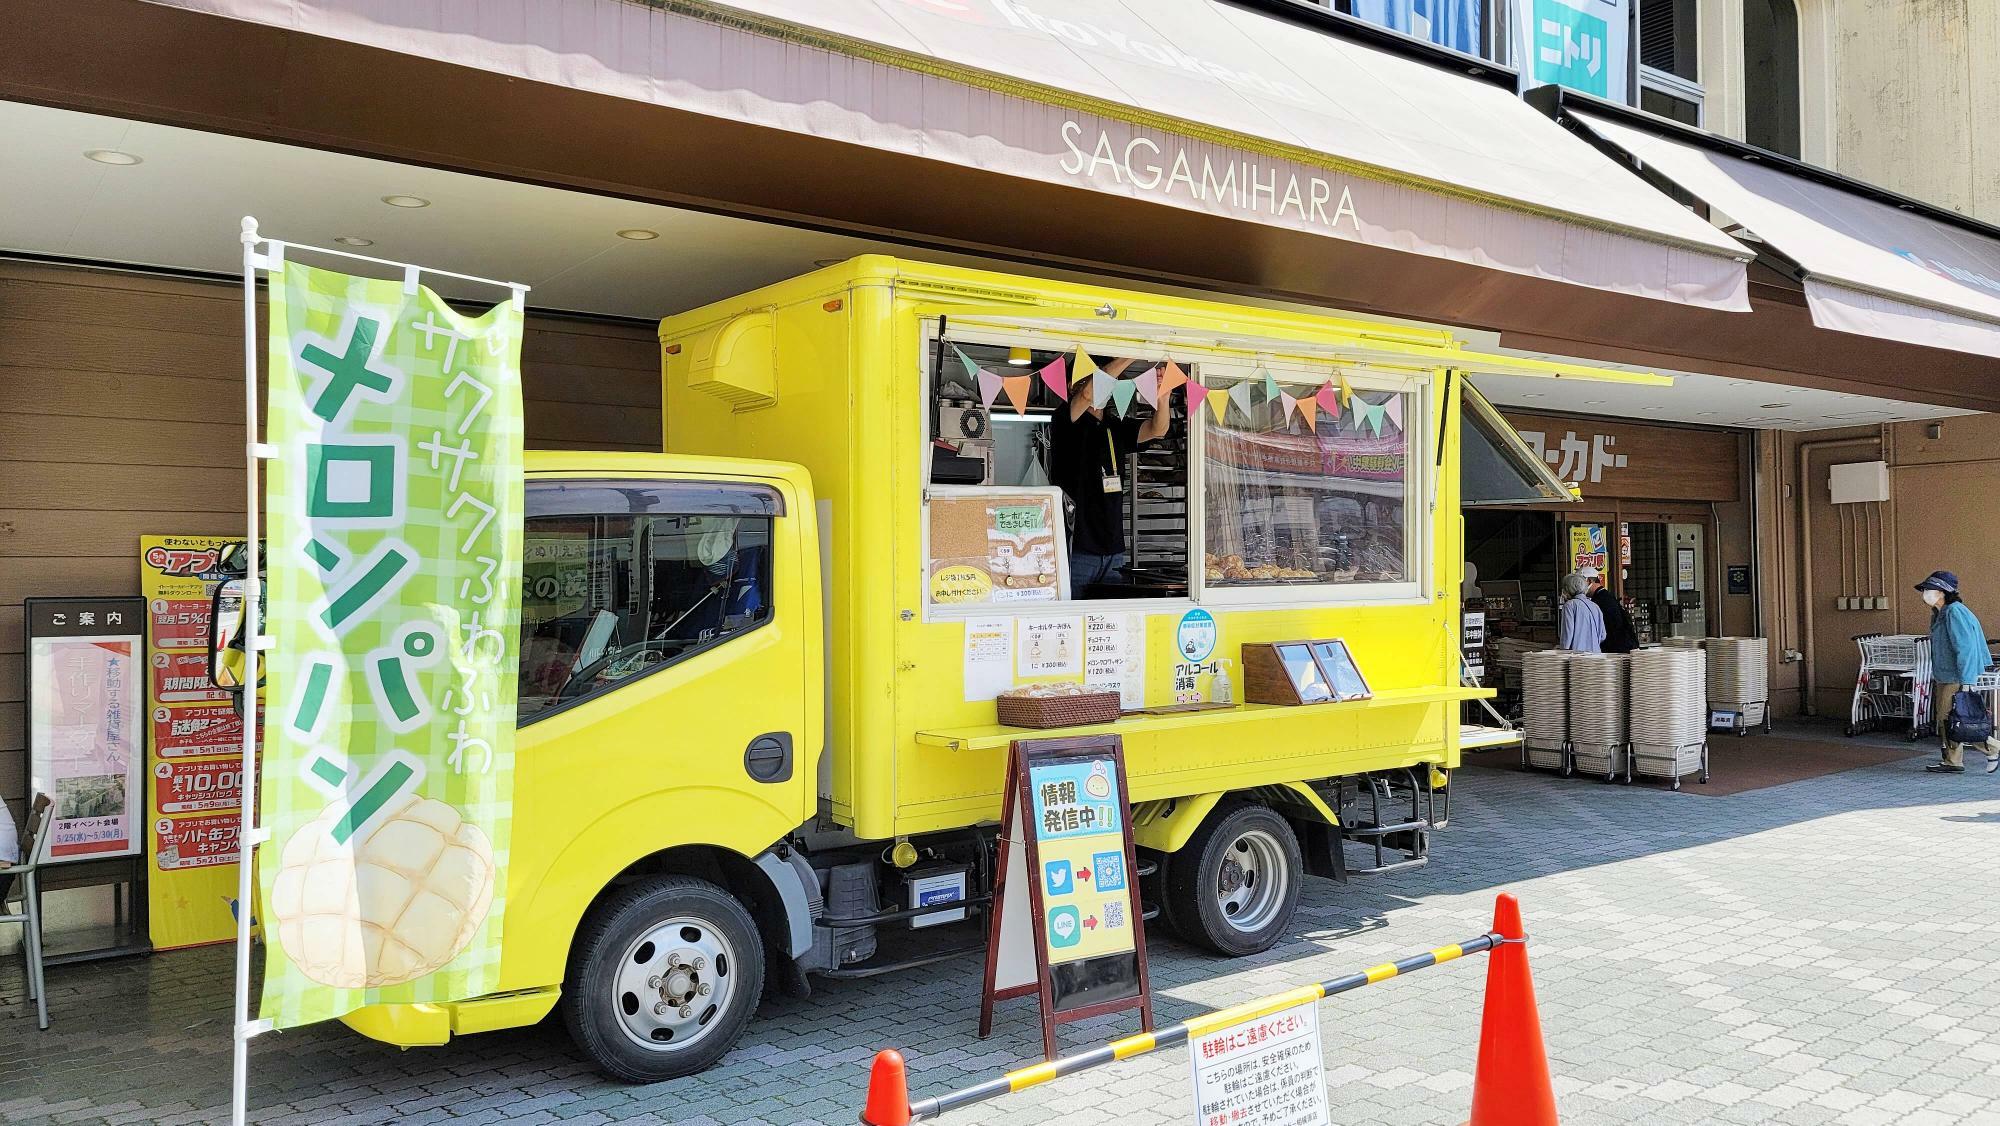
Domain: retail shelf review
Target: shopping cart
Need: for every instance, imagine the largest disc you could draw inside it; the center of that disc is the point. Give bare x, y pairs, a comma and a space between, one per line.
1894, 684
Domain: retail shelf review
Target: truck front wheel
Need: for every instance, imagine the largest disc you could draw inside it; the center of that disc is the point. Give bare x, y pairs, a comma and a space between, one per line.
1234, 886
665, 974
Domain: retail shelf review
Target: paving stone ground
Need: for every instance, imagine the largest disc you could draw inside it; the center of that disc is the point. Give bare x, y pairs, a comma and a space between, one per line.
1823, 951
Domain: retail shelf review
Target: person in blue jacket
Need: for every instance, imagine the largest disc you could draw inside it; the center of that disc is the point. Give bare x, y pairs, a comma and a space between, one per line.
1958, 656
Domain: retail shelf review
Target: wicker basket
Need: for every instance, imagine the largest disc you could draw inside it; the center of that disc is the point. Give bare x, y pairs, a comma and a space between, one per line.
1057, 711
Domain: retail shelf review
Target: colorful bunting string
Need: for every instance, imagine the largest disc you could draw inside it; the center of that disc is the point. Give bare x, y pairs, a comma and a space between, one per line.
971, 369
989, 387
1083, 369
1171, 377
1395, 406
1195, 394
1054, 376
1218, 401
1271, 388
1149, 386
1329, 401
1121, 395
1346, 392
1100, 390
1242, 393
1290, 403
1016, 387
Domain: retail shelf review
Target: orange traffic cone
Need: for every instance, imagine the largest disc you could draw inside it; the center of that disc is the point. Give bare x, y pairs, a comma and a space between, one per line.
888, 1091
1511, 1086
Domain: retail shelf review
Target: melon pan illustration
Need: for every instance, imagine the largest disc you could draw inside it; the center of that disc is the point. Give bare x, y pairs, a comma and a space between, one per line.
387, 907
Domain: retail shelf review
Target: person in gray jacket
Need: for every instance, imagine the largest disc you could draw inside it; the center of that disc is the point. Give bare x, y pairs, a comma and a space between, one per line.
1579, 624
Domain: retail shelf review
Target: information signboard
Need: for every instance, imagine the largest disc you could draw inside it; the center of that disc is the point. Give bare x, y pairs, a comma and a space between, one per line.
86, 722
1066, 925
1265, 1070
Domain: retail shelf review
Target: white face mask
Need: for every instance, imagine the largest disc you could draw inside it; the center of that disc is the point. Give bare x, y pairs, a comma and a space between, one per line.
1934, 598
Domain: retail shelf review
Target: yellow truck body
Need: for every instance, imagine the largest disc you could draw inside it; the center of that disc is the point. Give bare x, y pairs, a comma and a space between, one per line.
817, 390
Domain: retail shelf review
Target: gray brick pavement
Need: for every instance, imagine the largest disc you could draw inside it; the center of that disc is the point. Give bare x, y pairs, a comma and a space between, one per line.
1813, 953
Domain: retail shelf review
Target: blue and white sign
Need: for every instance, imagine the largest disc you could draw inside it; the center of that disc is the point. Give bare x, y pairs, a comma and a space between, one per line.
1581, 44
1194, 638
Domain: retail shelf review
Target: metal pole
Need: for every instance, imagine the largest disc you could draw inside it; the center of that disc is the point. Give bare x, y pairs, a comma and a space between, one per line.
252, 646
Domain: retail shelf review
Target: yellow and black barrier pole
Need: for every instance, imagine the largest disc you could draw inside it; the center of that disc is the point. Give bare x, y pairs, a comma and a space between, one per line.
888, 1094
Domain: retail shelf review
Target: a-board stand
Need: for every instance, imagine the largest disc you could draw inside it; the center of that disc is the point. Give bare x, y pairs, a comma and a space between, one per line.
1085, 955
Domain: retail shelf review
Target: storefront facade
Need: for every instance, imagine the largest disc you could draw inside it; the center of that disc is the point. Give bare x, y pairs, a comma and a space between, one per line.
1236, 153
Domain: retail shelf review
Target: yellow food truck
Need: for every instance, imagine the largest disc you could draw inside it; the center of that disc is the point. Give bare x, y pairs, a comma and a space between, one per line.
762, 674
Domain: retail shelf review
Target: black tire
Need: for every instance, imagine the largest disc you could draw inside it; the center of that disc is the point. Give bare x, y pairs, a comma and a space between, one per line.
604, 1007
1252, 839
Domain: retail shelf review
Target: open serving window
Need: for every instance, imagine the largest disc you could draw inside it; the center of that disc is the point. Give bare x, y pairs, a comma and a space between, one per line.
1076, 462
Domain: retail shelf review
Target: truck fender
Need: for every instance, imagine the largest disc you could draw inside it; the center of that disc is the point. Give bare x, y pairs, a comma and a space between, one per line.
1166, 824
791, 877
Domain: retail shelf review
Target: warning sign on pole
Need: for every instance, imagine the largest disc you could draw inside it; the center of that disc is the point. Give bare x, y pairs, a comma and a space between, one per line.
1265, 1070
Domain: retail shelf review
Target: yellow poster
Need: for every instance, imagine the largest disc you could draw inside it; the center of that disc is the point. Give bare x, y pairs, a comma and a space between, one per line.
1079, 831
194, 749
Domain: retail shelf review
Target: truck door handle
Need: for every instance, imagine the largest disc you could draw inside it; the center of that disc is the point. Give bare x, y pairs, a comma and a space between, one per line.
769, 757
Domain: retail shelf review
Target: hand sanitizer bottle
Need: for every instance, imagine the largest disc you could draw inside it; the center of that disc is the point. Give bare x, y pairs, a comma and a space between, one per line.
1220, 690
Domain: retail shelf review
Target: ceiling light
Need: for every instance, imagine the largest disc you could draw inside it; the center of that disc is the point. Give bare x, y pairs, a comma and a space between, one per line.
353, 240
1593, 402
1770, 406
1654, 408
638, 234
1704, 414
1531, 394
1019, 357
112, 156
406, 201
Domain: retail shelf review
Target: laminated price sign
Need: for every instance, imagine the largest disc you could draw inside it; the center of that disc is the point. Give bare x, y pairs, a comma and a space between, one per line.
1066, 915
395, 518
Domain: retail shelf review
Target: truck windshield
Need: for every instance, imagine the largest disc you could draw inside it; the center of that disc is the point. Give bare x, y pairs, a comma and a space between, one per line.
608, 598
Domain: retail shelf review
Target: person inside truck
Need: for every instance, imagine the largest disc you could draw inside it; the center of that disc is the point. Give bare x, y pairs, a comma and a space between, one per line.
1087, 449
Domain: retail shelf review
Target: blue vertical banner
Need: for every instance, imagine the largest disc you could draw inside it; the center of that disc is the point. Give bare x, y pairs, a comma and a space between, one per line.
1448, 23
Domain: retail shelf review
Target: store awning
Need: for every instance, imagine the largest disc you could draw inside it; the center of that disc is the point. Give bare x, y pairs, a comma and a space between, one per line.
1867, 266
1199, 105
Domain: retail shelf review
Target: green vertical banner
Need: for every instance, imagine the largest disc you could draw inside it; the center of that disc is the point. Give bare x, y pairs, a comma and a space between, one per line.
394, 605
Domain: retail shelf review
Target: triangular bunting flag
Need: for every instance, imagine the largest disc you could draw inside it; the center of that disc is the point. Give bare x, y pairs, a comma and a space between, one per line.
1395, 405
1271, 389
1195, 394
1346, 392
1055, 375
1309, 413
1218, 401
1016, 387
1149, 386
1371, 415
1171, 377
1291, 404
1082, 369
1329, 401
1242, 393
1100, 390
971, 369
1121, 395
989, 386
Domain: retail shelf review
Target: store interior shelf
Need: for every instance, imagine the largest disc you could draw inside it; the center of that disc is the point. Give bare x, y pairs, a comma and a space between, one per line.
994, 735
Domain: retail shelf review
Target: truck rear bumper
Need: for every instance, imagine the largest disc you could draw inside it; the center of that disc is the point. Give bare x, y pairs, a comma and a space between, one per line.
426, 1025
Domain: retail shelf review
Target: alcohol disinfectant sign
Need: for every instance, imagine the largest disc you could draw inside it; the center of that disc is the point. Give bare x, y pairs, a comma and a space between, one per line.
394, 508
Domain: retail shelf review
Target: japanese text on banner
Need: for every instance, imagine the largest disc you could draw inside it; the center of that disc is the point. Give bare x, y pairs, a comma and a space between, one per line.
395, 568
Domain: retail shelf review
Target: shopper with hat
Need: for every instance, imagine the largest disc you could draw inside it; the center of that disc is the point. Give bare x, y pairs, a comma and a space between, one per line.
1579, 624
1619, 636
1958, 656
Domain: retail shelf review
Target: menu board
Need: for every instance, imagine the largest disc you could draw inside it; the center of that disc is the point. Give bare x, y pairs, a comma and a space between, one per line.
86, 722
995, 545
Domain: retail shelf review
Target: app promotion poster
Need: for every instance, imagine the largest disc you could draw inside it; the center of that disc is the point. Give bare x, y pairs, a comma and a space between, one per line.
1080, 822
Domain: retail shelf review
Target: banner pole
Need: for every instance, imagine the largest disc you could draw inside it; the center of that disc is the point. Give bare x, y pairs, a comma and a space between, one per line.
253, 593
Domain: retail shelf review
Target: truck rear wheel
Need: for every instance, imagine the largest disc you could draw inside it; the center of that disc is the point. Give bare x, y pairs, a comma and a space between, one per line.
1234, 886
664, 977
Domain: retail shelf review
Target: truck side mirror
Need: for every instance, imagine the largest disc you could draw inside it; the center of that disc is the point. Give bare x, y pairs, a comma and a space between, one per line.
228, 664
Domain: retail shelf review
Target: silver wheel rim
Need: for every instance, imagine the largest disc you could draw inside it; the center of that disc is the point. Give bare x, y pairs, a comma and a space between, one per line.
1251, 882
673, 982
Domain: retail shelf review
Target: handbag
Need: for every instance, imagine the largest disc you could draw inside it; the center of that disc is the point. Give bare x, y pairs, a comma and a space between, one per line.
1969, 721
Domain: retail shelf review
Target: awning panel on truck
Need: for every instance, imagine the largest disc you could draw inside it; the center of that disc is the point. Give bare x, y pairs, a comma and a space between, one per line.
1495, 466
1868, 266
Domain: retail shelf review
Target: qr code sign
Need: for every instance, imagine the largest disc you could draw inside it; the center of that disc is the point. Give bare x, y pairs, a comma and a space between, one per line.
1114, 915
